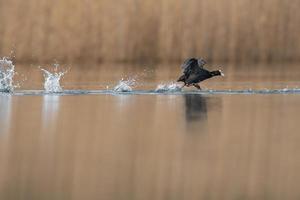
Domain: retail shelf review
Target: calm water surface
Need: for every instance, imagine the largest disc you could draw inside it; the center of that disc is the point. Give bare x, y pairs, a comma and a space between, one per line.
188, 146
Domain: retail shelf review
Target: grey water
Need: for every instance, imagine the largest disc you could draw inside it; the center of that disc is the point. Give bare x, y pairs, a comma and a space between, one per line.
237, 139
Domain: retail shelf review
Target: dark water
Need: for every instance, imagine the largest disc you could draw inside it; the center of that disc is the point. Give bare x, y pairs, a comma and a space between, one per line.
183, 146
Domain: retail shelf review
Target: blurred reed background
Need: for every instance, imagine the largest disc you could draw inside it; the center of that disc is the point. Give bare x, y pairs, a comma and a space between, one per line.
150, 30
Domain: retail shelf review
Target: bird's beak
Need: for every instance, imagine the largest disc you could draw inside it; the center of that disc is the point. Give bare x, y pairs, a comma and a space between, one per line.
221, 73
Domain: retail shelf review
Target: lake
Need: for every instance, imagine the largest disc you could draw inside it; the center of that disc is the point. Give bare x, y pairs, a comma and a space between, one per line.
147, 145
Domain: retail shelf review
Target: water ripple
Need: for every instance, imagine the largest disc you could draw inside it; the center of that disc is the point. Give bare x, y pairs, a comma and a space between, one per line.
154, 92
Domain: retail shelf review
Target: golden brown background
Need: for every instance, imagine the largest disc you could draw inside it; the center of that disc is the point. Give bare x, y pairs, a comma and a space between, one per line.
150, 30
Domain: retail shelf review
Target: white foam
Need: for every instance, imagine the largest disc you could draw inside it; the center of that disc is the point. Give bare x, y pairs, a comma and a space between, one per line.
7, 72
171, 87
125, 85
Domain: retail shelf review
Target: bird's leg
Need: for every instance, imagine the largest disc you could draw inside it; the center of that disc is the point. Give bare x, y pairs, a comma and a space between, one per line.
197, 86
183, 86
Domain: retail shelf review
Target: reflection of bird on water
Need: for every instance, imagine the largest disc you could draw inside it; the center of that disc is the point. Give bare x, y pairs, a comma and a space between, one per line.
195, 107
193, 72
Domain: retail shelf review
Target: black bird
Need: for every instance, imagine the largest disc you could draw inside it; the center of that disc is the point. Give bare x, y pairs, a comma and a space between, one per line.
193, 72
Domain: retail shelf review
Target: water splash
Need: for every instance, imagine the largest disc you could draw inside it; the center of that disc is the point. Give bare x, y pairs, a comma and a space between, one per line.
52, 80
7, 72
171, 87
125, 85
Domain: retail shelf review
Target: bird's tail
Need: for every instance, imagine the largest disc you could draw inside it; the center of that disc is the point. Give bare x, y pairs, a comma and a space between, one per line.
181, 78
217, 73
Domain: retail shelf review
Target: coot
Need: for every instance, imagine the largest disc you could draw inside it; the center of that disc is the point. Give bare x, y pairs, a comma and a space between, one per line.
194, 72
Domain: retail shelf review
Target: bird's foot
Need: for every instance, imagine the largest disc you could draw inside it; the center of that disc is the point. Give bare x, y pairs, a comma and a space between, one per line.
197, 86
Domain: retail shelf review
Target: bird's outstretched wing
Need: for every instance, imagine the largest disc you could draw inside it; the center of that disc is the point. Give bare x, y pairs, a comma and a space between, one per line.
189, 65
192, 65
201, 62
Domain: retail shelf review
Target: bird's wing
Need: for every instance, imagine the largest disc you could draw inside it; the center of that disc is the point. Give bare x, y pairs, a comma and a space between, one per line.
189, 65
201, 62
